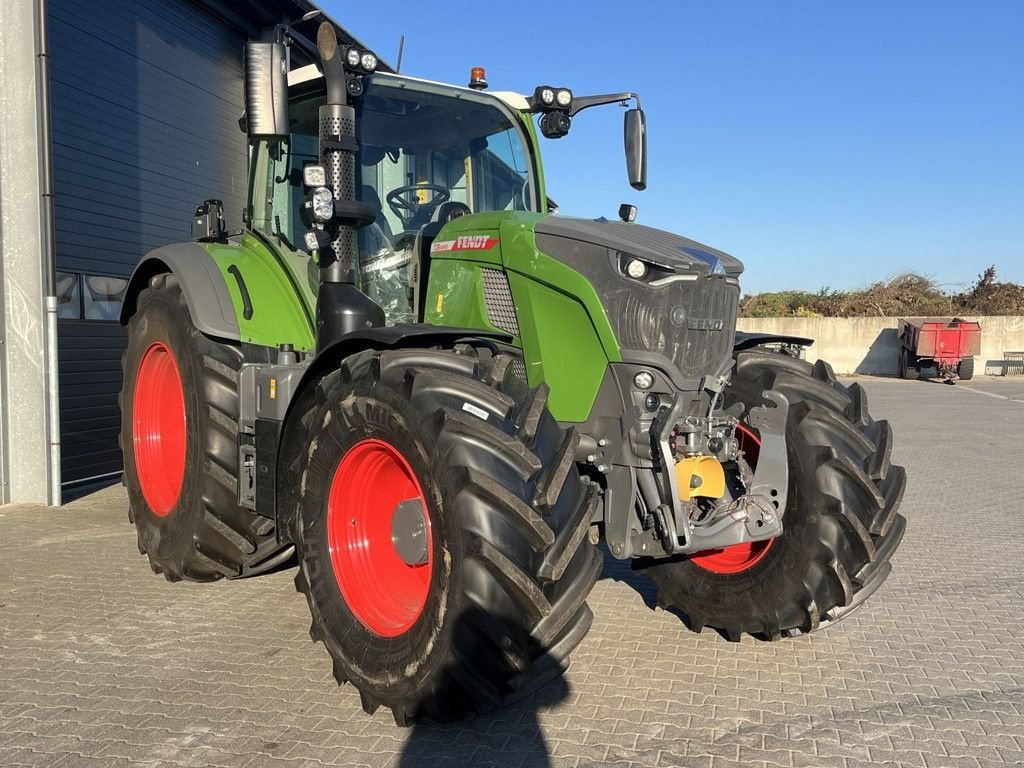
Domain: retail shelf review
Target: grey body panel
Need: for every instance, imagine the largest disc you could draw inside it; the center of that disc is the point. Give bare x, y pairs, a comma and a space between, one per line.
684, 308
687, 256
202, 284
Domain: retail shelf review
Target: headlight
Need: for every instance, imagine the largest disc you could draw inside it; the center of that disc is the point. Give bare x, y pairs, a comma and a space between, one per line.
564, 97
547, 96
323, 204
352, 57
314, 175
636, 269
368, 61
643, 380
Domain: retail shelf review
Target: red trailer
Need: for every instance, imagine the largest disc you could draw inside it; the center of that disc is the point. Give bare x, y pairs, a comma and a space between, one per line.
949, 345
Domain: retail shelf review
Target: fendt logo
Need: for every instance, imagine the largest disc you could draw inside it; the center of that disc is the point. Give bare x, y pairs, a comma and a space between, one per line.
465, 243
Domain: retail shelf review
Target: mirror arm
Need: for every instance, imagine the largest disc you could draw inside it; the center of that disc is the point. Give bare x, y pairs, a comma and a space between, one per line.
579, 103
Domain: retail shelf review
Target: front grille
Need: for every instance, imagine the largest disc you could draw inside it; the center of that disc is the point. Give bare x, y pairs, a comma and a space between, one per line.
501, 310
690, 322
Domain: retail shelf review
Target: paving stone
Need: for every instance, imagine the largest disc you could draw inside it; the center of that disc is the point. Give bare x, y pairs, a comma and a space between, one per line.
103, 664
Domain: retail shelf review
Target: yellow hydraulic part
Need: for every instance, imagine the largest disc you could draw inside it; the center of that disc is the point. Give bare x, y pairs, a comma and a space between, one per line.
700, 476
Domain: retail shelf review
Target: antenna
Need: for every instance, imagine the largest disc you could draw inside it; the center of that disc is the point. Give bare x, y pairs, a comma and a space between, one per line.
401, 48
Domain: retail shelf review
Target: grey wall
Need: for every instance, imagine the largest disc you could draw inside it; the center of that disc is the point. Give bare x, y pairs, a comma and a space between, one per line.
24, 440
146, 96
870, 344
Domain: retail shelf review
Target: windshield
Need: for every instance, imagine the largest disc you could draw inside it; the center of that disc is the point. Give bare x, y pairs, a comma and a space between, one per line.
427, 154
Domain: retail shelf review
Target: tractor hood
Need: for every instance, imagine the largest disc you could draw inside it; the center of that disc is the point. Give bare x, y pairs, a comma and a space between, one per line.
664, 249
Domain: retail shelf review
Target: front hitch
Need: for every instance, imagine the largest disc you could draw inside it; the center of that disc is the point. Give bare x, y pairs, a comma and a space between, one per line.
754, 516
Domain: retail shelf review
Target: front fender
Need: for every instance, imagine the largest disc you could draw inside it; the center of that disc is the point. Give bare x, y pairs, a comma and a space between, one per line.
293, 434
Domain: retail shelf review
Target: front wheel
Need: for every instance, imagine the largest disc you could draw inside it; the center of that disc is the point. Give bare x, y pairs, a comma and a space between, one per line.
841, 526
442, 533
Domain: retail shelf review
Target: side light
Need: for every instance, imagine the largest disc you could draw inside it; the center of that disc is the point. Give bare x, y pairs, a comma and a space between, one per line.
314, 175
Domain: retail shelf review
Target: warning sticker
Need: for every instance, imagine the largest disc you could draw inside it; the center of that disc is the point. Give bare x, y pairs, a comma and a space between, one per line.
465, 243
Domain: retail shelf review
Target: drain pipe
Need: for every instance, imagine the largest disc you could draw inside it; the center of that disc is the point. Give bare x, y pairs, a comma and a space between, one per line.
48, 250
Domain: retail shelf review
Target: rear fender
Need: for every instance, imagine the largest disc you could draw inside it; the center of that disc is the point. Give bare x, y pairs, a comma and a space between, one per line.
238, 291
202, 284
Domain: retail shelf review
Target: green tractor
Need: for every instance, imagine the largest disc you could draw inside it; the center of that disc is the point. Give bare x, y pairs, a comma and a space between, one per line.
440, 397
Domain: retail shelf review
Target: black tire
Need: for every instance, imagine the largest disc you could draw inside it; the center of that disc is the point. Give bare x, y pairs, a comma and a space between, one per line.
509, 519
841, 526
965, 369
205, 535
908, 364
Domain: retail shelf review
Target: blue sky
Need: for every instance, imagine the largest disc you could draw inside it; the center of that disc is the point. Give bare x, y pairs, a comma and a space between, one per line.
823, 143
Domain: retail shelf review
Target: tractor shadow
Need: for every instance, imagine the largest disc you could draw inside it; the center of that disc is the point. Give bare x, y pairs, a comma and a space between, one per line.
622, 572
511, 735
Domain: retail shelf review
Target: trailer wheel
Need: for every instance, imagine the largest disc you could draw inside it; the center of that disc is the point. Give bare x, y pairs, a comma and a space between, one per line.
841, 526
908, 364
179, 429
442, 533
965, 369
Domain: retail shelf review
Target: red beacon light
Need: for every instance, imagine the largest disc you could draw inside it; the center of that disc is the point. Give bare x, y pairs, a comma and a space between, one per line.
477, 78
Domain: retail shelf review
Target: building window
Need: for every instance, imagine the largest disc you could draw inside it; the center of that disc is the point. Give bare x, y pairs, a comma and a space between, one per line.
69, 296
103, 297
89, 297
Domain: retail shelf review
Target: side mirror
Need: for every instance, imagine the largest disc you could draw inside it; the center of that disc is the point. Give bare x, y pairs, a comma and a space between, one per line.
635, 132
266, 90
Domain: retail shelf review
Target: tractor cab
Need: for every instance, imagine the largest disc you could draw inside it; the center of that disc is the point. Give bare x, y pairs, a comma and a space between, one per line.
426, 155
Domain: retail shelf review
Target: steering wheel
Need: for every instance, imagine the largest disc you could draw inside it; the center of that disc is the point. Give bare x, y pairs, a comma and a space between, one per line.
406, 209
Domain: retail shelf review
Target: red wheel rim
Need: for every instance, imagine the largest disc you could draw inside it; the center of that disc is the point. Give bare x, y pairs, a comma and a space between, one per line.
385, 593
158, 429
739, 557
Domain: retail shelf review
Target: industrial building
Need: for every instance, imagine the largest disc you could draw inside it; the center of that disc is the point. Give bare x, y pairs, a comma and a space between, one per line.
117, 119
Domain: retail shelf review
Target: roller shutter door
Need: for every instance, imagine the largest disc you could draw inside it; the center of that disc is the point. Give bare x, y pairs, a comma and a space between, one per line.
146, 96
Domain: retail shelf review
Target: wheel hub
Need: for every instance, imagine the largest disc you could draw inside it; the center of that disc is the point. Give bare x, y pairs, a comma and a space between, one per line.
409, 532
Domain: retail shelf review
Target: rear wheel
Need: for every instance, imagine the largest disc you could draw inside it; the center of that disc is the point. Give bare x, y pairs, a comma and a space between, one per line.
965, 369
179, 428
841, 526
442, 533
908, 364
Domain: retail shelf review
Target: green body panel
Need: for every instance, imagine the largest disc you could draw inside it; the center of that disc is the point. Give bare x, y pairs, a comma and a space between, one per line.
283, 300
456, 296
565, 335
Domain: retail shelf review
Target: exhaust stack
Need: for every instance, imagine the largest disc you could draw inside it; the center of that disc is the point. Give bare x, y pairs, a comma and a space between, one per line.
341, 308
